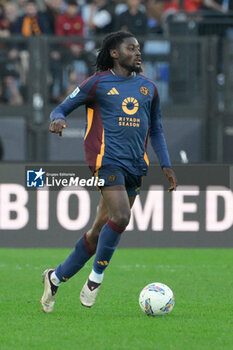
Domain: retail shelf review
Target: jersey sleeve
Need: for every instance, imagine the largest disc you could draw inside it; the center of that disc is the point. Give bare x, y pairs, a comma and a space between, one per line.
158, 141
83, 94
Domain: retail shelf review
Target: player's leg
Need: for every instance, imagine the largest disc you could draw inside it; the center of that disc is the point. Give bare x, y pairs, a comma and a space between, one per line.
84, 249
118, 204
102, 217
76, 259
86, 246
100, 220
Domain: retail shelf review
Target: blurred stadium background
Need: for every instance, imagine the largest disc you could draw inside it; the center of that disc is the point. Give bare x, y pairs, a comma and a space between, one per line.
187, 49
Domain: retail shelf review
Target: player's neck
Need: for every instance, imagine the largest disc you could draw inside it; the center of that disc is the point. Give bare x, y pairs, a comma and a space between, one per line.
122, 71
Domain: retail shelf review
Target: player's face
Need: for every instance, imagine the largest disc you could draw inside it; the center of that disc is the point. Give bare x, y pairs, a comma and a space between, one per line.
130, 55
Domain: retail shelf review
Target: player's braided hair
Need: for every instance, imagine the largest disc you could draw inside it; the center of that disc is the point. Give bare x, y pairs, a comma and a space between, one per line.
104, 61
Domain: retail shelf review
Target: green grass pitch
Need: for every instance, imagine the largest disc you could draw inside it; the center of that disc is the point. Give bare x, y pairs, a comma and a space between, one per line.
202, 318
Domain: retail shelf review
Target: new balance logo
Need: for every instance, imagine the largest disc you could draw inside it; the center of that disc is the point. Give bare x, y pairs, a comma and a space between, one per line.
113, 91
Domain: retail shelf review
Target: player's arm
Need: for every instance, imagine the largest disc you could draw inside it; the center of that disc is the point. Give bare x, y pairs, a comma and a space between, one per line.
159, 144
79, 96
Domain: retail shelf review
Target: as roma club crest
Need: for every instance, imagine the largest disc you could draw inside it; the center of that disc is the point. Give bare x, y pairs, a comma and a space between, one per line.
112, 178
144, 90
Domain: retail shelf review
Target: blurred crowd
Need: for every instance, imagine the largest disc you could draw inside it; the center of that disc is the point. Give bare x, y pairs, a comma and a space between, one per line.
71, 62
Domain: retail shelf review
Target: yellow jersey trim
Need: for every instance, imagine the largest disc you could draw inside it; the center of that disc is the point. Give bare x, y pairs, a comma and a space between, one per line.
90, 113
146, 158
101, 154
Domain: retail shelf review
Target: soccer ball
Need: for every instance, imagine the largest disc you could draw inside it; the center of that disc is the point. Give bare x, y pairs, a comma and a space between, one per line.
156, 299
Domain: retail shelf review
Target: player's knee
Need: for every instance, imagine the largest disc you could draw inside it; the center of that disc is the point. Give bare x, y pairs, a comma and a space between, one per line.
121, 219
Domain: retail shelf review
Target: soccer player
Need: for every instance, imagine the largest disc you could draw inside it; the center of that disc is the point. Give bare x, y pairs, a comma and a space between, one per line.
123, 109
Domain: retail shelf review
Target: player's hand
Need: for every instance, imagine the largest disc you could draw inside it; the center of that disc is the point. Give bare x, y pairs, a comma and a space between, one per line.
171, 178
57, 126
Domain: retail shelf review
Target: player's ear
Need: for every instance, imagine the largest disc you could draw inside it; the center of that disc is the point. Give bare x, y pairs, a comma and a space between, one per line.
114, 53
